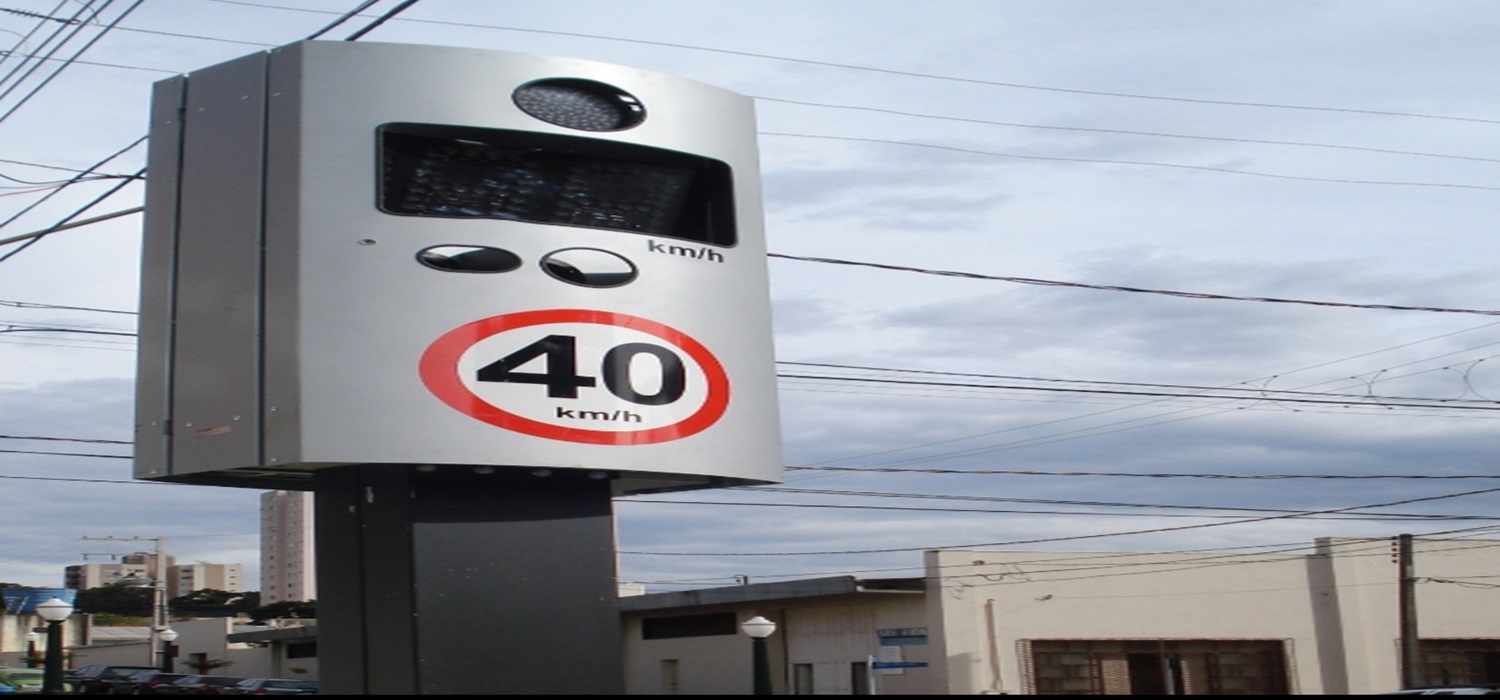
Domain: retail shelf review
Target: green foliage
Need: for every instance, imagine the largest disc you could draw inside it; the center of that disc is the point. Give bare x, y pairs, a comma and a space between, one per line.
116, 620
214, 603
6, 584
305, 609
119, 600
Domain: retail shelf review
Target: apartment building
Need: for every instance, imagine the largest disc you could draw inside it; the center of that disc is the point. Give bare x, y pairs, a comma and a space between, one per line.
288, 568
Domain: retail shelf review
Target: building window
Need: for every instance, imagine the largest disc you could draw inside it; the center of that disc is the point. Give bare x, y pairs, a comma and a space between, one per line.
1459, 662
802, 679
1159, 667
302, 650
707, 625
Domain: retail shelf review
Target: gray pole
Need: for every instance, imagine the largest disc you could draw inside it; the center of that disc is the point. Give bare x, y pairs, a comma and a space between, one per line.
761, 665
1411, 648
52, 674
466, 580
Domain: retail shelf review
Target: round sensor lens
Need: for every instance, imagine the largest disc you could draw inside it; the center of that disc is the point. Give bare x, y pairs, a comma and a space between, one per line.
580, 104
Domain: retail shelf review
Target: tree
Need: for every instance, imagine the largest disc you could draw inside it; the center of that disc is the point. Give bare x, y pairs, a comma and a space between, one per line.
305, 609
119, 600
214, 603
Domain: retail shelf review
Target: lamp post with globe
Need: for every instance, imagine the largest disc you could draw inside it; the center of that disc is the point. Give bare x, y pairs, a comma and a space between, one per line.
55, 612
758, 629
31, 639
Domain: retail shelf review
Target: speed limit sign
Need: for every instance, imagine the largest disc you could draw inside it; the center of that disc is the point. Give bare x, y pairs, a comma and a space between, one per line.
578, 375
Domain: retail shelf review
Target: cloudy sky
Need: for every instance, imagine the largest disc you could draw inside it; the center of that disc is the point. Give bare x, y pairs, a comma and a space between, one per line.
1339, 152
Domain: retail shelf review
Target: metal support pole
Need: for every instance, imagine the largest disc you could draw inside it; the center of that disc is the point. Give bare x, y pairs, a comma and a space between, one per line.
52, 674
761, 665
466, 580
1411, 647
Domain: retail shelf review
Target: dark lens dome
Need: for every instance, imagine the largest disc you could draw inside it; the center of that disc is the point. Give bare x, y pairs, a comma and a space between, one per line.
580, 104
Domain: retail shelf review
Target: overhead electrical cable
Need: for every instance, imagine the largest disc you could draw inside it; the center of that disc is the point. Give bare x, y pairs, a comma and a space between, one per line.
72, 224
91, 63
41, 24
344, 17
1074, 537
56, 35
1386, 517
61, 307
405, 4
1280, 397
1126, 132
1197, 412
1153, 164
1134, 290
912, 74
79, 177
48, 80
32, 239
1149, 475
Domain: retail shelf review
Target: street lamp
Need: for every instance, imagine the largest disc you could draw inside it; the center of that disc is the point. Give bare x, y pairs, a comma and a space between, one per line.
54, 611
758, 628
31, 639
168, 651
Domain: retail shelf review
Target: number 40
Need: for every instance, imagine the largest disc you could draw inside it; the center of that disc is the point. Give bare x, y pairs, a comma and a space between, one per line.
562, 379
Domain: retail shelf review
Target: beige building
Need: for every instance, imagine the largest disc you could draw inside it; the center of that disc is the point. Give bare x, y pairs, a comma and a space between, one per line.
983, 622
186, 578
288, 568
140, 568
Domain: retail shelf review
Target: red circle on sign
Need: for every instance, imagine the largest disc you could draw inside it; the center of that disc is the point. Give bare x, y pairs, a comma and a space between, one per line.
439, 371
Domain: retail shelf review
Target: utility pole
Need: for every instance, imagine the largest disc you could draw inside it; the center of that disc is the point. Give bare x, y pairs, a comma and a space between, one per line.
1411, 648
159, 621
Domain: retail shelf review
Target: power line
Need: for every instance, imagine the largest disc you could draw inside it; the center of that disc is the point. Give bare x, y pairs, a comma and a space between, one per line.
1134, 290
74, 224
380, 20
1069, 538
1127, 132
1386, 517
36, 305
911, 74
1153, 164
39, 15
1149, 475
48, 80
1276, 397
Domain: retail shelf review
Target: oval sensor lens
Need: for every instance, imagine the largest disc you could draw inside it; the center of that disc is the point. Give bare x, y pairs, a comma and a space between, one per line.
580, 104
589, 267
468, 258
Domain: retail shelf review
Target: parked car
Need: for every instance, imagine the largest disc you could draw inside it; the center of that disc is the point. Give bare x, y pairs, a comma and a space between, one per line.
25, 680
198, 685
273, 686
1454, 690
144, 682
97, 679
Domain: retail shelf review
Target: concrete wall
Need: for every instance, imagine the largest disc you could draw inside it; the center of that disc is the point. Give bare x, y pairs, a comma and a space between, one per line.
987, 603
1335, 612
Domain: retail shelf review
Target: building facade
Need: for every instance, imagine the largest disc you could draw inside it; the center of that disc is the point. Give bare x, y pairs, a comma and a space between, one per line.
1080, 623
186, 578
140, 569
287, 554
